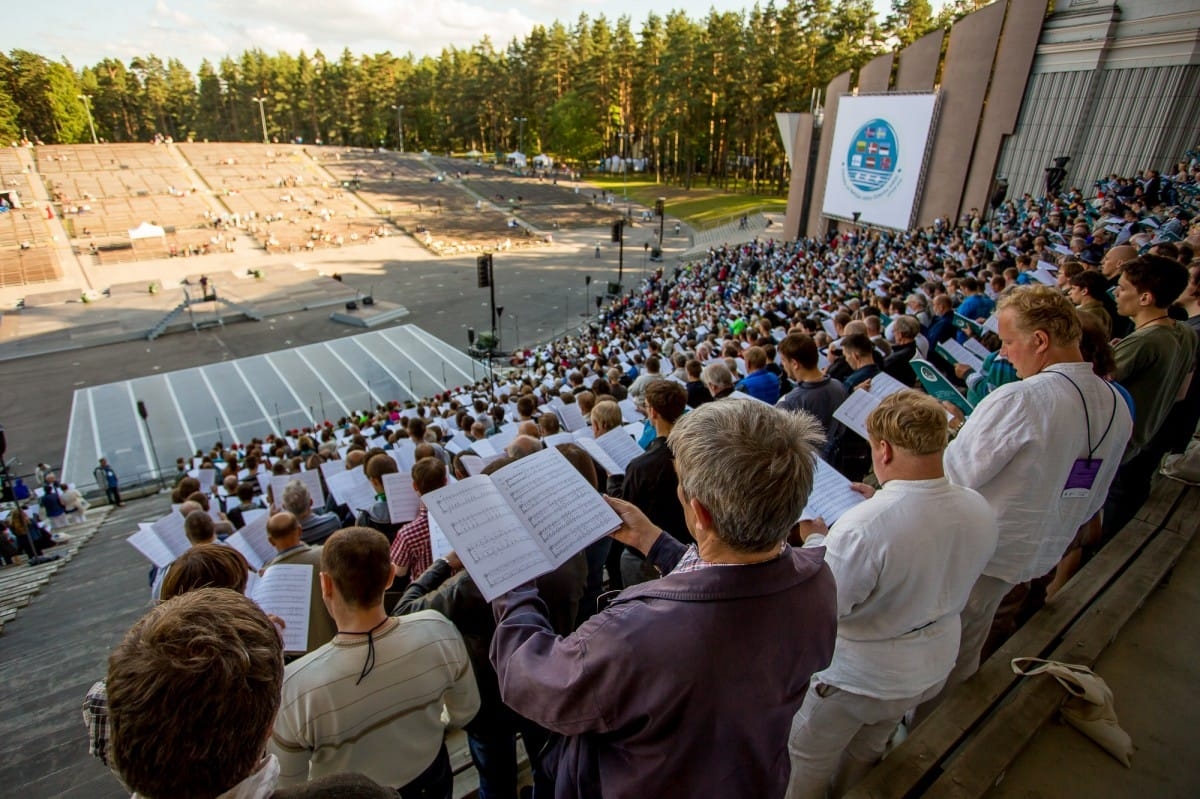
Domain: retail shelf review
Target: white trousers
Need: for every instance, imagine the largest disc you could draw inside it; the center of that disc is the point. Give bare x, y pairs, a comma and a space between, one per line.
838, 735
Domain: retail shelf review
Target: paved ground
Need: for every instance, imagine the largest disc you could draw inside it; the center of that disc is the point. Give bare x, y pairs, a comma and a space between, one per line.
55, 649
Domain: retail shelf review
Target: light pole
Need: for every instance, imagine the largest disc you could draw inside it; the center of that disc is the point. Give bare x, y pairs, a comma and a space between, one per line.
400, 125
87, 104
262, 114
521, 133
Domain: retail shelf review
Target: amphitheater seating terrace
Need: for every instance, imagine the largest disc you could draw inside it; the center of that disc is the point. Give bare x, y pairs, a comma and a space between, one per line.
238, 165
541, 200
281, 195
423, 201
26, 248
12, 172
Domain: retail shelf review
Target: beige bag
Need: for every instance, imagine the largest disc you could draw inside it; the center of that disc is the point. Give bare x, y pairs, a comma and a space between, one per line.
1184, 467
1089, 708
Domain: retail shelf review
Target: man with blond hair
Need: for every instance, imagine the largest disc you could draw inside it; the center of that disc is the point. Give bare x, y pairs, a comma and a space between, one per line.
745, 472
1042, 451
898, 606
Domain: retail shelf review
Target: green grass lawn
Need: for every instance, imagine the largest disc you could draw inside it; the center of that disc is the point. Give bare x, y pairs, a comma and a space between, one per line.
702, 207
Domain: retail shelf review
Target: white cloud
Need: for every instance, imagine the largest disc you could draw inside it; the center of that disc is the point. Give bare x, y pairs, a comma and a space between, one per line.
370, 26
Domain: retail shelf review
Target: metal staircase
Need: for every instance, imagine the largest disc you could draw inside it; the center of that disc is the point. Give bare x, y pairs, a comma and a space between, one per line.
216, 320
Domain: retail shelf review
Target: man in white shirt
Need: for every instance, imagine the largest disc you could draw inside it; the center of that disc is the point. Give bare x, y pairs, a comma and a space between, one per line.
1042, 451
904, 562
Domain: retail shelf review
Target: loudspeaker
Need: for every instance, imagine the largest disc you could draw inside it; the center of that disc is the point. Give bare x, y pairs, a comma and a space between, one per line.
483, 270
142, 410
616, 229
1000, 194
352, 306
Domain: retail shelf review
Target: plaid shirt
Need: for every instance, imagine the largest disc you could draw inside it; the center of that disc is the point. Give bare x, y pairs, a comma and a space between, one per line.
692, 562
95, 717
411, 546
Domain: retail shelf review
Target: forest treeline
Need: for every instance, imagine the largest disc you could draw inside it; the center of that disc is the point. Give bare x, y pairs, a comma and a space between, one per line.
695, 97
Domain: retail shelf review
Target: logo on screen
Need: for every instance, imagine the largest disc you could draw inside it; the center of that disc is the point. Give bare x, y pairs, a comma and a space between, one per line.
876, 175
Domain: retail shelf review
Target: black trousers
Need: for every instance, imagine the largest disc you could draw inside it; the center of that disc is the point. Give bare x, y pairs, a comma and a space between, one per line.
435, 782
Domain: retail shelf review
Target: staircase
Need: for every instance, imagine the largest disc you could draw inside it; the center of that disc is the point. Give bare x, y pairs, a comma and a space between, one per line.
235, 307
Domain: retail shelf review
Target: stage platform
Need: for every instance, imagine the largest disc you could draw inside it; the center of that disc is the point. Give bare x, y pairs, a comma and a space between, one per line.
368, 316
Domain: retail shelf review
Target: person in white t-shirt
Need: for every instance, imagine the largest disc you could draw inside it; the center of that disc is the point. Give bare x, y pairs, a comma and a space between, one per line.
904, 562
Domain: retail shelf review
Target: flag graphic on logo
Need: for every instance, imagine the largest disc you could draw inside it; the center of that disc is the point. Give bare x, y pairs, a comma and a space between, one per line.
856, 160
872, 148
860, 146
885, 163
870, 162
869, 132
885, 150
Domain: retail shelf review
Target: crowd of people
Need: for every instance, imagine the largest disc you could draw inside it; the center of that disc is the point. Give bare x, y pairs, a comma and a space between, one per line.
745, 646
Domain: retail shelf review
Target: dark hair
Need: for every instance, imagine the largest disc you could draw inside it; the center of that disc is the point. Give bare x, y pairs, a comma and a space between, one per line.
801, 348
205, 566
858, 343
667, 398
429, 474
380, 464
357, 560
1163, 278
1094, 346
199, 528
192, 691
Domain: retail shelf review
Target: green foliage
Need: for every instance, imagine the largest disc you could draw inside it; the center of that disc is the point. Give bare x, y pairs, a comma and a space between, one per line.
694, 98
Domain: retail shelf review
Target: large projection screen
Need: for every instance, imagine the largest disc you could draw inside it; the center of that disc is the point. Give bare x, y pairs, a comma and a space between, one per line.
877, 159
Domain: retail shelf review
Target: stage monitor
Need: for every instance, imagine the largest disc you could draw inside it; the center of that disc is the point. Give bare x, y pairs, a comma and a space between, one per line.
878, 157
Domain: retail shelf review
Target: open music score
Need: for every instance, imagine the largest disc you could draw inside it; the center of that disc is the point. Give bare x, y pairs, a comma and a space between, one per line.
524, 520
831, 495
285, 590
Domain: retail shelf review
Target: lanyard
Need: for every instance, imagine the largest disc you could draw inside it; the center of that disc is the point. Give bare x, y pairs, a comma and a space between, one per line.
1086, 418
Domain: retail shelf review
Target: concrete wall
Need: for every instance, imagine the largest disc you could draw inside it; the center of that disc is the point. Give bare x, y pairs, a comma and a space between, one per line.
964, 86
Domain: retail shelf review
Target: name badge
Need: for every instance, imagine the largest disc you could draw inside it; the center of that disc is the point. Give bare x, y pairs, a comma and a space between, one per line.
1081, 478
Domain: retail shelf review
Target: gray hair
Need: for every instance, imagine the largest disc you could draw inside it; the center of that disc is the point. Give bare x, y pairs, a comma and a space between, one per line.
296, 498
908, 325
751, 465
717, 374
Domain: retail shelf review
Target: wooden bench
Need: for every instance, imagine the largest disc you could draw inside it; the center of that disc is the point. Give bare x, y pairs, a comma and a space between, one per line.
967, 742
19, 584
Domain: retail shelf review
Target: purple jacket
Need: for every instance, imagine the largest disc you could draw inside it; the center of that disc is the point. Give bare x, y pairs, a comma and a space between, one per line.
684, 686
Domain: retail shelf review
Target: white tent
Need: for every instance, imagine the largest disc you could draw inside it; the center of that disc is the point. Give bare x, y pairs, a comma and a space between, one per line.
516, 159
146, 231
543, 161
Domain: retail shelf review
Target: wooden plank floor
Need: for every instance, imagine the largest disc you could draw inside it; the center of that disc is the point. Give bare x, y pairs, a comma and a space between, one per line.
53, 651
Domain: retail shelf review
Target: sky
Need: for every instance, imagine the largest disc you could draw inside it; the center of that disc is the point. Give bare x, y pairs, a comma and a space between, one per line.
85, 31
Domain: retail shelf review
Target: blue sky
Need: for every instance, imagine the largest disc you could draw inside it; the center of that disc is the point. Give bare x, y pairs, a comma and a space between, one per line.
85, 31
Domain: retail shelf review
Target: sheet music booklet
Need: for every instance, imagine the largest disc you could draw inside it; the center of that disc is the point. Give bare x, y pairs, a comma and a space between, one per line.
524, 520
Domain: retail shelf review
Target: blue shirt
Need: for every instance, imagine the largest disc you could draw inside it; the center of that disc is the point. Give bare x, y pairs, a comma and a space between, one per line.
762, 385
